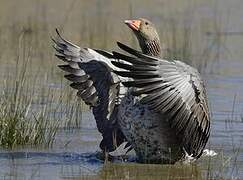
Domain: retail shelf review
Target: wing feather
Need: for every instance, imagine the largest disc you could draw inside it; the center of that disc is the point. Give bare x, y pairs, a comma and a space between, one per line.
89, 72
179, 94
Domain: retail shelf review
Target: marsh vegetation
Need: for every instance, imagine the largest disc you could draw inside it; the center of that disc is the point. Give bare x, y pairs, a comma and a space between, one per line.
38, 109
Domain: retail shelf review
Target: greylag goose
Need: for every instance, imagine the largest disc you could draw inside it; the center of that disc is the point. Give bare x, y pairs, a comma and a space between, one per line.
160, 107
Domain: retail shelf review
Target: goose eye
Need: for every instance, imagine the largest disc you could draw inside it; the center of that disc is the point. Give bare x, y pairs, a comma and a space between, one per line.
146, 23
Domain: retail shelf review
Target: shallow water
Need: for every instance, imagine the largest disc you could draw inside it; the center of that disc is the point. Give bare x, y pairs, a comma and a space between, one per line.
73, 155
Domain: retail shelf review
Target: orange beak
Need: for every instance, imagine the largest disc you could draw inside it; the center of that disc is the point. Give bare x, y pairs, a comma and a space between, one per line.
133, 24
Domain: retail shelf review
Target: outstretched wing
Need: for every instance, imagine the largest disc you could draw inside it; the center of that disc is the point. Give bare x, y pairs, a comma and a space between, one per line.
172, 88
90, 74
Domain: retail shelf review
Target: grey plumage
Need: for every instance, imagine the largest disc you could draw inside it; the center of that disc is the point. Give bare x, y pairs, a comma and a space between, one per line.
160, 107
90, 74
177, 92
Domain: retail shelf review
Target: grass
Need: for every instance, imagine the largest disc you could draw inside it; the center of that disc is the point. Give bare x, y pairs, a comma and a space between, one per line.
36, 102
30, 111
19, 125
18, 129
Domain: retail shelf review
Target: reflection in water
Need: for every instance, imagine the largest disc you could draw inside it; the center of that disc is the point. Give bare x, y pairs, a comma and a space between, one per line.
40, 165
36, 165
141, 171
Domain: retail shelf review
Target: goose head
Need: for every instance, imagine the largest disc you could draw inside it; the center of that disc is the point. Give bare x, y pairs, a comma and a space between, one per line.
147, 35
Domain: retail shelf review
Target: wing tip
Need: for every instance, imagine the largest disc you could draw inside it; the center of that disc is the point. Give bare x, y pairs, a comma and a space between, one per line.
57, 31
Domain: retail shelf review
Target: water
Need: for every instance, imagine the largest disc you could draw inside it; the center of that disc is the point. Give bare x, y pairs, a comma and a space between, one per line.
73, 155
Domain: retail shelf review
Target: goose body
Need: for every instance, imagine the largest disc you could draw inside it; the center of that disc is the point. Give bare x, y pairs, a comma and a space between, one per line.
159, 106
168, 105
148, 132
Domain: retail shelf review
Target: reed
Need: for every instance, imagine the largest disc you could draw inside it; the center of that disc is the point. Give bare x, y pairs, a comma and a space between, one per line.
36, 102
30, 107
